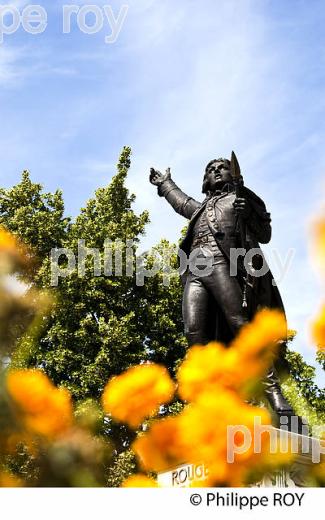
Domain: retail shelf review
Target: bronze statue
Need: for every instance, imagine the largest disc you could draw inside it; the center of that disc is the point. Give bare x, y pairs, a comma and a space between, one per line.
216, 305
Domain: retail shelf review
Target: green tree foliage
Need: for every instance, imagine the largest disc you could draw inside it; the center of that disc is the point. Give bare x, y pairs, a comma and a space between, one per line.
35, 217
98, 325
300, 388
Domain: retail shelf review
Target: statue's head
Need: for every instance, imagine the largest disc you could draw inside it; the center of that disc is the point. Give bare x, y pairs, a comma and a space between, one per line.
217, 174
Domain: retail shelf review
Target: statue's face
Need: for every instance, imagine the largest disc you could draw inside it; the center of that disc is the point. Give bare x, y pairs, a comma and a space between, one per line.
217, 175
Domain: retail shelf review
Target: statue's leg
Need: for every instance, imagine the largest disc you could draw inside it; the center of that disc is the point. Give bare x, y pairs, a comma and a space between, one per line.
227, 293
195, 311
285, 413
274, 394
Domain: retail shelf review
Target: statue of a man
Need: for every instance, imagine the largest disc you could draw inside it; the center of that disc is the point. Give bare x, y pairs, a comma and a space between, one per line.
213, 303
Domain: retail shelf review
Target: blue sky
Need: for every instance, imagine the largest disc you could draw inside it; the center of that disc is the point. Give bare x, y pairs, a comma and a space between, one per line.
184, 82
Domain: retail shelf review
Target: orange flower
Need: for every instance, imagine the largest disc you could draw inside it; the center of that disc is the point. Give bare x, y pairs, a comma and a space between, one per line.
318, 330
218, 431
261, 336
45, 409
12, 252
139, 480
205, 367
9, 481
160, 448
320, 238
8, 242
138, 393
236, 367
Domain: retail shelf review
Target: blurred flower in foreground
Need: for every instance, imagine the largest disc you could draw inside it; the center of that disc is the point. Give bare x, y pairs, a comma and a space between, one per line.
318, 326
76, 459
318, 330
8, 242
161, 448
319, 231
246, 360
214, 379
200, 435
45, 409
9, 480
139, 480
138, 393
229, 437
12, 253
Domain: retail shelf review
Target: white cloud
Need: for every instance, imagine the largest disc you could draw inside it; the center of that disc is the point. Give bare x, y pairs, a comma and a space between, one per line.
10, 66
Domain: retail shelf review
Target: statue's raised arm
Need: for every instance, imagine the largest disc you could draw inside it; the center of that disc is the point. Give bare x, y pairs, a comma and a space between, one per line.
182, 203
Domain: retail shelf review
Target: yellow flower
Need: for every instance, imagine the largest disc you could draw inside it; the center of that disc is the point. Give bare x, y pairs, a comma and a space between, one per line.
138, 393
320, 238
9, 481
235, 367
13, 253
139, 480
45, 409
219, 430
318, 330
8, 242
231, 438
205, 367
160, 448
261, 336
212, 378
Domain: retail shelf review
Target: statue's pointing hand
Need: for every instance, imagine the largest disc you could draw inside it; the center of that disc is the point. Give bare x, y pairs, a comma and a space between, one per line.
156, 178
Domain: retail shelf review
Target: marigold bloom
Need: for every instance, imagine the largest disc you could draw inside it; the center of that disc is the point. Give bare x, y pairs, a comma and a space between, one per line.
320, 238
8, 242
12, 252
9, 481
45, 409
205, 367
139, 480
200, 435
261, 336
246, 360
138, 393
208, 439
161, 447
230, 437
318, 330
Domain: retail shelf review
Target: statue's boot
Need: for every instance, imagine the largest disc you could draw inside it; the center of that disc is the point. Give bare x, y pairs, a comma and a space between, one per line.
196, 338
280, 405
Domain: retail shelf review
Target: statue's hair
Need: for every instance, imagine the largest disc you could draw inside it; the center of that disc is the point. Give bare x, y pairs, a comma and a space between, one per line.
220, 159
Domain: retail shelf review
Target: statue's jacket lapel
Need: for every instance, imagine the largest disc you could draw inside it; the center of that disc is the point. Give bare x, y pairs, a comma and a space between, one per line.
221, 220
